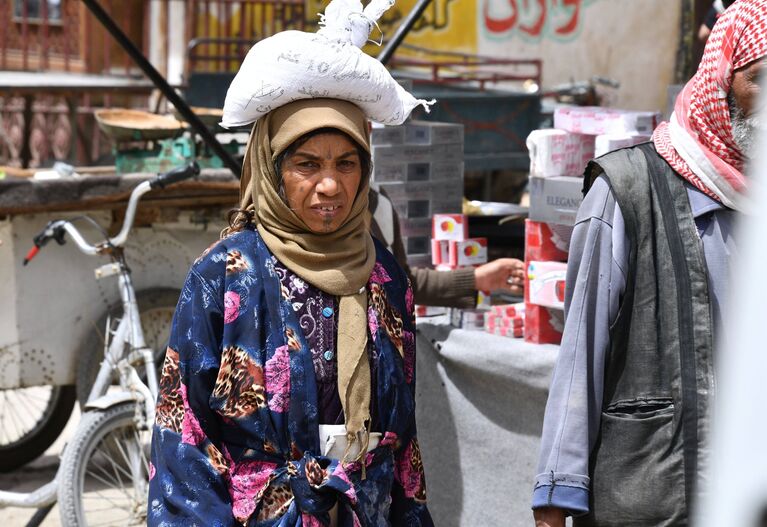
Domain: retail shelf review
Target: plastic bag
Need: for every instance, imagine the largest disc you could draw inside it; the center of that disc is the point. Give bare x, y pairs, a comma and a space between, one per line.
294, 65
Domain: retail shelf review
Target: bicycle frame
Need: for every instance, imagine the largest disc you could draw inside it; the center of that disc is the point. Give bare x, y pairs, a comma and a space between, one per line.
124, 346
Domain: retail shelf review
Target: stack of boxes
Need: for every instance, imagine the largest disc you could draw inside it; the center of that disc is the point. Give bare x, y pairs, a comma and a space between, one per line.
558, 158
419, 166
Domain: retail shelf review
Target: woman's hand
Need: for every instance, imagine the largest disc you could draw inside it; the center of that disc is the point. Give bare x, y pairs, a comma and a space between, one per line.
503, 273
549, 517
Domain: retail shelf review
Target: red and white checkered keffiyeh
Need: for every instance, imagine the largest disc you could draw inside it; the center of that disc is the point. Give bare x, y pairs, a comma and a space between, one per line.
698, 142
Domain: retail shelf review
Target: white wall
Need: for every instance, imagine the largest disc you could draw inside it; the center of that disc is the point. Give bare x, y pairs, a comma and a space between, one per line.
632, 41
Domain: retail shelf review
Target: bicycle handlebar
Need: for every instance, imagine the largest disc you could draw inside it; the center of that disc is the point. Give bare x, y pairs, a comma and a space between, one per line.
175, 175
57, 229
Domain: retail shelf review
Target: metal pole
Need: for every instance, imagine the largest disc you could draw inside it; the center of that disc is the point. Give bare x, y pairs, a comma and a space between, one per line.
402, 31
159, 81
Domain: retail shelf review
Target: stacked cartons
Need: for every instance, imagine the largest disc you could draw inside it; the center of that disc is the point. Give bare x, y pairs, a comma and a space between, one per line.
419, 166
558, 158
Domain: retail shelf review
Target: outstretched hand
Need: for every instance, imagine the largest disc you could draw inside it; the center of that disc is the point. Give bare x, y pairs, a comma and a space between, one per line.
506, 274
549, 517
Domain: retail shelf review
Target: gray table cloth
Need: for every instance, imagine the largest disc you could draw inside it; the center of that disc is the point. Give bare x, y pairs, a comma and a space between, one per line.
480, 404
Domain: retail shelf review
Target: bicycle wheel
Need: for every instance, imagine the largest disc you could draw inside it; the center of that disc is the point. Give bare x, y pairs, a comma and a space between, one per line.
156, 307
30, 421
104, 473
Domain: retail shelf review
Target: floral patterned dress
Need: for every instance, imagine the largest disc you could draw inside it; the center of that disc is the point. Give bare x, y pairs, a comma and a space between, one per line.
236, 440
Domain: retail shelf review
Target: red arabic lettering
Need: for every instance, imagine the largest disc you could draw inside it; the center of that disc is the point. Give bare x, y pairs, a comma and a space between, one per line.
501, 25
570, 26
539, 13
535, 29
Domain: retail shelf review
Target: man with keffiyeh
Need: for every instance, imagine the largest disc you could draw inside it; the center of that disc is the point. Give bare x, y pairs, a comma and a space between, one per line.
626, 427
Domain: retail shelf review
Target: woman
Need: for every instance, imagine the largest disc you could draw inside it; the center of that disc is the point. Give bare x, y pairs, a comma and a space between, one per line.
300, 321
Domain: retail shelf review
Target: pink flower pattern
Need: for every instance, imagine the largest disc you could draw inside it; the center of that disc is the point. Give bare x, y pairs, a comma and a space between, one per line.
340, 473
408, 343
191, 432
277, 372
372, 321
247, 483
409, 302
408, 476
231, 307
152, 471
379, 274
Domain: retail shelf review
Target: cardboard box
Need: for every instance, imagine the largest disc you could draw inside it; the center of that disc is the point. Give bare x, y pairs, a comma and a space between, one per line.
433, 190
607, 143
469, 319
555, 199
471, 251
544, 241
596, 120
411, 227
425, 208
513, 332
431, 133
430, 311
417, 245
543, 325
389, 154
418, 260
449, 227
387, 135
412, 172
546, 283
559, 153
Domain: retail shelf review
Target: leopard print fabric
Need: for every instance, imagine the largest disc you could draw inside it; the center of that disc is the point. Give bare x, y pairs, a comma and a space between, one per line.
416, 464
240, 384
389, 319
275, 501
170, 406
235, 262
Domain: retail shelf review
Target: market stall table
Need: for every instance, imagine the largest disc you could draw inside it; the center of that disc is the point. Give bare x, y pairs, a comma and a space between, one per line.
480, 404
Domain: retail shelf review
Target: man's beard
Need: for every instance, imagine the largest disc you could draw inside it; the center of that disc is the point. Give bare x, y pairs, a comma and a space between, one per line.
745, 130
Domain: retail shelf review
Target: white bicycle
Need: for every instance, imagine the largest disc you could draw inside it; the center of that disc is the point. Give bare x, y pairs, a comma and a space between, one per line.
104, 470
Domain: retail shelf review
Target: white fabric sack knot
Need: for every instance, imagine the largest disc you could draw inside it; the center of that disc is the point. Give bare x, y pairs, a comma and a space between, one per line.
294, 65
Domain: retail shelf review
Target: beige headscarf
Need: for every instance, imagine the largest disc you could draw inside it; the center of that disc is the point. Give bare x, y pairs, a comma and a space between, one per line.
339, 262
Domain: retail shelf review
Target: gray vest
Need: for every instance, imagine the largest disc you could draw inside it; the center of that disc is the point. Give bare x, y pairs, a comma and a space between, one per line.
659, 370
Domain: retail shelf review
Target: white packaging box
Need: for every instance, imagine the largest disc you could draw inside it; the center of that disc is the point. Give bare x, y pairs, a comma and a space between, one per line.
449, 227
387, 135
409, 172
472, 251
595, 120
546, 283
428, 133
558, 152
555, 199
604, 144
391, 154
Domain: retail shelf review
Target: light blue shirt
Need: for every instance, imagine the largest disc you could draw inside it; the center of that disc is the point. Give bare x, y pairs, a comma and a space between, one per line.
596, 281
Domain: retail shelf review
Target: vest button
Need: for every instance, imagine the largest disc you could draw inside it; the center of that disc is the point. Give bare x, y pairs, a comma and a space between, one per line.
327, 312
328, 355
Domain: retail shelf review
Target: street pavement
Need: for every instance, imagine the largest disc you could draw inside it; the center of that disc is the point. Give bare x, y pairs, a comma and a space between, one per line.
32, 476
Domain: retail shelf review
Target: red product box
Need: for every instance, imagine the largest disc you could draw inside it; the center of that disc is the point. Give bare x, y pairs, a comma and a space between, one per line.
453, 227
509, 332
439, 252
472, 251
510, 310
546, 242
543, 325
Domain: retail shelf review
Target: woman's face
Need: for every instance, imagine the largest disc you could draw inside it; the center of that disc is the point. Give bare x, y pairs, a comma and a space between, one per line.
321, 179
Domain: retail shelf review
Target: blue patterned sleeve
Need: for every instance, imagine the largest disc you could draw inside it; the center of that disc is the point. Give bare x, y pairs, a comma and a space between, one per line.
188, 483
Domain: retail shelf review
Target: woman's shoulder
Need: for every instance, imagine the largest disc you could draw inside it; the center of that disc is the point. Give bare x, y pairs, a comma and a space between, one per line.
236, 247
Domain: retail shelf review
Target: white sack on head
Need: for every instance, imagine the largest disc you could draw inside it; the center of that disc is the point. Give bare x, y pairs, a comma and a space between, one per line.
294, 65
